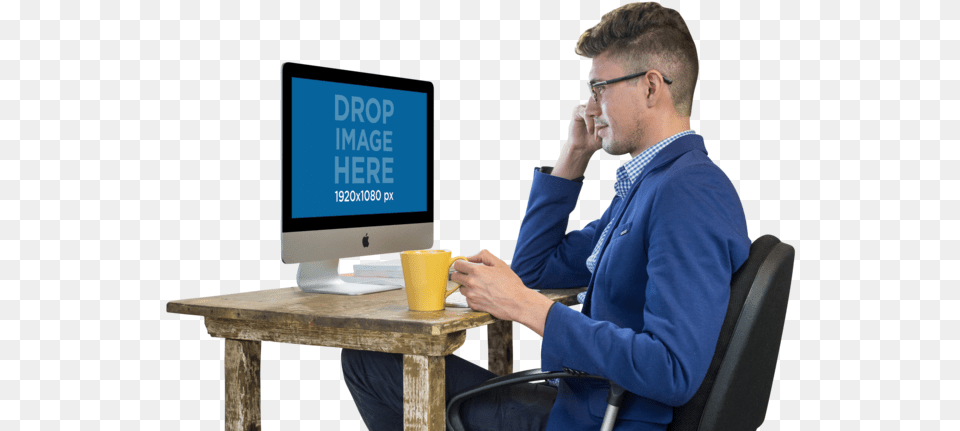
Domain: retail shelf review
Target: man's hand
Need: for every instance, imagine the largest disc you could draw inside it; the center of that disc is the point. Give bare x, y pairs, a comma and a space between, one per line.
583, 135
581, 144
494, 287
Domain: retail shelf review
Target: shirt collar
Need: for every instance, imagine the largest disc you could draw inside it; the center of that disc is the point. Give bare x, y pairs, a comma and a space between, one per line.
628, 174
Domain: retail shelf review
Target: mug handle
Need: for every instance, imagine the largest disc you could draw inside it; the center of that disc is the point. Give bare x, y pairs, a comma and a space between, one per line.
452, 260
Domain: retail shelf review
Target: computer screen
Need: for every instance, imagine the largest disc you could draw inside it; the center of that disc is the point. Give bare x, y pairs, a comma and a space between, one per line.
357, 166
372, 142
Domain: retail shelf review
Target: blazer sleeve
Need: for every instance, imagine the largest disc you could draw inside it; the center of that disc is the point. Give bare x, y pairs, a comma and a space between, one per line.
690, 244
546, 256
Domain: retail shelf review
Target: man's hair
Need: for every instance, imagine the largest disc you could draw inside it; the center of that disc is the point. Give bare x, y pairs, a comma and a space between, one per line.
647, 35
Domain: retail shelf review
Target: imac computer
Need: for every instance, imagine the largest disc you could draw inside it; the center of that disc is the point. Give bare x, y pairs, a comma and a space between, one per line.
357, 171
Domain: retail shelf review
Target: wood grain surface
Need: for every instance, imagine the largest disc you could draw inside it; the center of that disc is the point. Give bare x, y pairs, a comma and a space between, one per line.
242, 375
500, 347
357, 339
424, 388
383, 311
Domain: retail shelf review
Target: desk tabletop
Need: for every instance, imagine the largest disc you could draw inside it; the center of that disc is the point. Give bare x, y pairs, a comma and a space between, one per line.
383, 311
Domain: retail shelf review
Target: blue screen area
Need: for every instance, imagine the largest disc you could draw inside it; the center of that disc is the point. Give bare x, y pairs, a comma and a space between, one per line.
357, 150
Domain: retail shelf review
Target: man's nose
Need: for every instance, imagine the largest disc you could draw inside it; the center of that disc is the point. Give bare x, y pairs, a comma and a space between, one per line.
592, 108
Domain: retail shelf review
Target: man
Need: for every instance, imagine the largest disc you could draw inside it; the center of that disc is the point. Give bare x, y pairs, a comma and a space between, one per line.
658, 262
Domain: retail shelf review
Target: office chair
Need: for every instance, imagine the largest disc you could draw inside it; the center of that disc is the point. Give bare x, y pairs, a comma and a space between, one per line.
736, 390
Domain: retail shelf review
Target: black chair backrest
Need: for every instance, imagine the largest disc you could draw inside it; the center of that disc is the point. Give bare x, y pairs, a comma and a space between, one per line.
736, 390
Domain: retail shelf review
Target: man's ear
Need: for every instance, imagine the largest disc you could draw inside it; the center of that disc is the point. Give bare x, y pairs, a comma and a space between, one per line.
656, 88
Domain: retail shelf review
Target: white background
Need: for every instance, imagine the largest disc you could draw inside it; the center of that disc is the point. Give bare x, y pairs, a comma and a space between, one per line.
140, 163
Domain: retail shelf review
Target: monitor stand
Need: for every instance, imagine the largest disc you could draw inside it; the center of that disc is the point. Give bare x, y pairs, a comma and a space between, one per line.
324, 277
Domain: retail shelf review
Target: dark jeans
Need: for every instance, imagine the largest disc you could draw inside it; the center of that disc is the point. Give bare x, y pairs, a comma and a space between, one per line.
376, 382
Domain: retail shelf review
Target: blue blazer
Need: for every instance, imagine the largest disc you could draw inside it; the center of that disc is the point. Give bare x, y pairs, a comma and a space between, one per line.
658, 296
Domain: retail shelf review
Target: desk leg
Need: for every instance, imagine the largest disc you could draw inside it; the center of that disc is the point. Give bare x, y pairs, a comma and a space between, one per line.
500, 347
242, 374
424, 393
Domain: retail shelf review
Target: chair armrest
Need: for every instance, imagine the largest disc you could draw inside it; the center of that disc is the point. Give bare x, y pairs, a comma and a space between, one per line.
453, 407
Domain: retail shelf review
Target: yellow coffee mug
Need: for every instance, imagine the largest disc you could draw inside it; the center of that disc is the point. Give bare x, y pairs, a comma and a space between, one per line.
425, 274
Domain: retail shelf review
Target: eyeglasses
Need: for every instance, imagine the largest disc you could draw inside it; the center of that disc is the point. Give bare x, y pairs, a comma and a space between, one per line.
597, 87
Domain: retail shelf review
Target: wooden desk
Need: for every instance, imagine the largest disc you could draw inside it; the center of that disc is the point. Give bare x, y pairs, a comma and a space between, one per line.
379, 321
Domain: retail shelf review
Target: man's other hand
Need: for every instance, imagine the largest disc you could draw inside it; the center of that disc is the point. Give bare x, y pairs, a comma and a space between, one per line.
494, 287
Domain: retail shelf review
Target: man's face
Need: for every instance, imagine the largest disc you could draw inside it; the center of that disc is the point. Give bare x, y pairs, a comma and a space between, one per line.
620, 108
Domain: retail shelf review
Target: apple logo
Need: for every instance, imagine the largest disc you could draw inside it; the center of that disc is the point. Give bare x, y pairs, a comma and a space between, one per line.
366, 240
